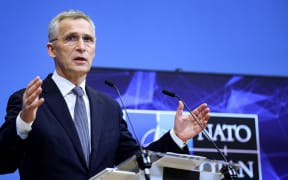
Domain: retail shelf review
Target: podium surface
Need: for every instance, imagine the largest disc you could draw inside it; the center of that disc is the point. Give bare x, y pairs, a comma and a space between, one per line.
112, 174
165, 166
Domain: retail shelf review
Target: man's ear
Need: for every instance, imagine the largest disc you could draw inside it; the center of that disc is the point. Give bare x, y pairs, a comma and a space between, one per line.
50, 49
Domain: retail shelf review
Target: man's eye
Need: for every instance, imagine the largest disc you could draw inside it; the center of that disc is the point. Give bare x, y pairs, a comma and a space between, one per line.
88, 39
71, 38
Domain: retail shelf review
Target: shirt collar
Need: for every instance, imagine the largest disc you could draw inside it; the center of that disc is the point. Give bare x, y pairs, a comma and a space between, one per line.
64, 85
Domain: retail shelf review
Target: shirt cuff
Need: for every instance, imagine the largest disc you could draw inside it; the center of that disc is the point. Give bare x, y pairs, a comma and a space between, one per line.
22, 127
176, 139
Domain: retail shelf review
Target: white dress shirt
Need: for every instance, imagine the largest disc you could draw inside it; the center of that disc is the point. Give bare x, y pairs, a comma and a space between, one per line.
65, 88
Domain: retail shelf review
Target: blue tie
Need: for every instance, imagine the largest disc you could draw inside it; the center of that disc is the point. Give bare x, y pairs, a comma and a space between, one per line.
81, 122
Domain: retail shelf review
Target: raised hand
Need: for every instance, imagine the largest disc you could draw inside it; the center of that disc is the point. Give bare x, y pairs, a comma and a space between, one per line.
31, 100
185, 127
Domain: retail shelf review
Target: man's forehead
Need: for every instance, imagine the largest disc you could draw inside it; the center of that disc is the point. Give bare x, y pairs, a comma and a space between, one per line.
75, 26
74, 22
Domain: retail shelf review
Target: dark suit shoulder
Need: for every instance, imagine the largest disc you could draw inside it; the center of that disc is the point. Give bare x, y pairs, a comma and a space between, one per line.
14, 103
17, 94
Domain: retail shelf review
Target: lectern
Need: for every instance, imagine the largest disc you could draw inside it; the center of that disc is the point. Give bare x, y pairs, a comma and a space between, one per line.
165, 166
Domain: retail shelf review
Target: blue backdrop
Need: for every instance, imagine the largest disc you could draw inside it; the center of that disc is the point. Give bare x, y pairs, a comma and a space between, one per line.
224, 36
265, 97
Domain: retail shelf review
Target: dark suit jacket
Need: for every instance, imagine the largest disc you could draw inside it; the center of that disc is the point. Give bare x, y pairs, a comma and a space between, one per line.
53, 150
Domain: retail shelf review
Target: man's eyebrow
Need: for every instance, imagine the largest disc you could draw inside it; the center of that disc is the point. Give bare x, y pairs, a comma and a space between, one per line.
71, 33
78, 34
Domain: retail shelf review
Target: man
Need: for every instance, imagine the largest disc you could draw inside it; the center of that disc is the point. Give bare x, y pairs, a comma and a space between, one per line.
41, 136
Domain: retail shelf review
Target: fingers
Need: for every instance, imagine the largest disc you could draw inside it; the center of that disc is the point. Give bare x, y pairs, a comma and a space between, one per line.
202, 114
202, 107
33, 90
201, 111
179, 109
31, 100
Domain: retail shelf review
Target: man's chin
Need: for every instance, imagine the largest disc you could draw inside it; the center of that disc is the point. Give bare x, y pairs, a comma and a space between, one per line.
82, 70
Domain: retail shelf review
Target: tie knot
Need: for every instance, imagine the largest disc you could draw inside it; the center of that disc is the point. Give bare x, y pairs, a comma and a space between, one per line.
78, 91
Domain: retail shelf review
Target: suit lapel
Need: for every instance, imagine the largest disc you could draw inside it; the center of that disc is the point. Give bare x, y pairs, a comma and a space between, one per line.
96, 122
56, 103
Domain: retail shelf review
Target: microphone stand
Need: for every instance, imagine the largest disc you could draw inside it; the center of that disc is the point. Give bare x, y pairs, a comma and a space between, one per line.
228, 171
142, 156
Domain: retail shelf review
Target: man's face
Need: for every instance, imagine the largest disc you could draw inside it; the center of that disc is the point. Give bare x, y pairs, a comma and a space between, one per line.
73, 49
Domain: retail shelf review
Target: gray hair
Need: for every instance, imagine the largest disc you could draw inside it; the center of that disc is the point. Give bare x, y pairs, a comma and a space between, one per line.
72, 14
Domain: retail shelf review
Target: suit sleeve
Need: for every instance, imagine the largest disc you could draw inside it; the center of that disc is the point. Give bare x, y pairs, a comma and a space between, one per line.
166, 144
11, 145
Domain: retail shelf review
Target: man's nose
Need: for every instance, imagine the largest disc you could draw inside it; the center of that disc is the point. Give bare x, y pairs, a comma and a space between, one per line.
80, 44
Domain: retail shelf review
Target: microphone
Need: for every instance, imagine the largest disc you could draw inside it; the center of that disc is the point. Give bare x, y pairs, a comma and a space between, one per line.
228, 171
142, 157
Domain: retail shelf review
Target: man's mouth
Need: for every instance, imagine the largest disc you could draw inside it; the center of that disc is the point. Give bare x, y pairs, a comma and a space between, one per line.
80, 59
